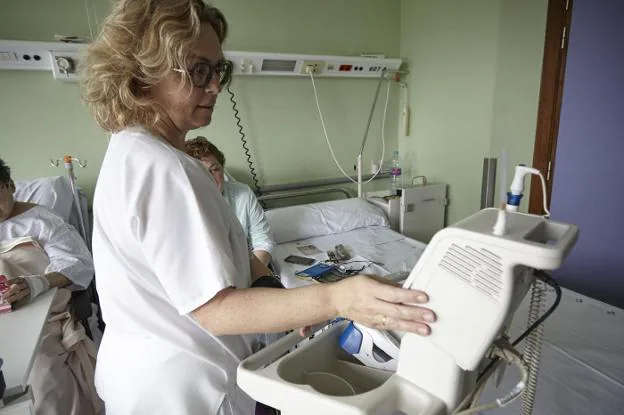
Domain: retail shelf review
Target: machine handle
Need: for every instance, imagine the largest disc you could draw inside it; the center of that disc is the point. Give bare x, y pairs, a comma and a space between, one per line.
274, 351
567, 240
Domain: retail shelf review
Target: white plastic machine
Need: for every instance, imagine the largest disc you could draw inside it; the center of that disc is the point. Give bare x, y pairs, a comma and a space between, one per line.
475, 281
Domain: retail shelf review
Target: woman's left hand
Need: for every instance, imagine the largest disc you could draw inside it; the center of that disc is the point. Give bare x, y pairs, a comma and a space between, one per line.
18, 290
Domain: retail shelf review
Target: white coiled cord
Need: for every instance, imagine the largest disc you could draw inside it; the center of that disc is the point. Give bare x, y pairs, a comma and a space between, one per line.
533, 345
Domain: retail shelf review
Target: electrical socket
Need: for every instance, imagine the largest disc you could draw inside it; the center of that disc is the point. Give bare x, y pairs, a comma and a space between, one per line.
317, 67
247, 66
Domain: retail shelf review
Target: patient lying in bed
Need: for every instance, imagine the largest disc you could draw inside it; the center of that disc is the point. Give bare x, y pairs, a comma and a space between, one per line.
39, 251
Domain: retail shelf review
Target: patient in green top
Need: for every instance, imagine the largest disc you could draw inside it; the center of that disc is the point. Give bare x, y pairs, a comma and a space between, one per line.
239, 196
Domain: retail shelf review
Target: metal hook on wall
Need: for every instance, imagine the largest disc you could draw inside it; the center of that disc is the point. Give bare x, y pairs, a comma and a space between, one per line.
69, 160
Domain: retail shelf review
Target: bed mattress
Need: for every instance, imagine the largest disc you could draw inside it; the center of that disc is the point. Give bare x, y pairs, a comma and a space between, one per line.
378, 249
582, 360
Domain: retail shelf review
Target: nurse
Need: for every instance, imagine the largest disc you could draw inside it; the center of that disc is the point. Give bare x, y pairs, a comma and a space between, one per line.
238, 196
172, 260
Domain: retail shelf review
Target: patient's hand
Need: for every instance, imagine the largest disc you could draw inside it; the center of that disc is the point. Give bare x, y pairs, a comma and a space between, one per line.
18, 290
24, 288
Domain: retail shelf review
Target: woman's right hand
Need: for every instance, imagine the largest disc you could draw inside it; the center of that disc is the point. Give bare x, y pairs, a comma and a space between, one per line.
381, 304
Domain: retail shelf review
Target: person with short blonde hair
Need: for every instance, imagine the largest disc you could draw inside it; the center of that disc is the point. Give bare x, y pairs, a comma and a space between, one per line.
174, 270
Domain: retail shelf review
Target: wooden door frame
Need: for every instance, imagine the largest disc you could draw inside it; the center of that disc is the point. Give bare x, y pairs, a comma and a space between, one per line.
551, 92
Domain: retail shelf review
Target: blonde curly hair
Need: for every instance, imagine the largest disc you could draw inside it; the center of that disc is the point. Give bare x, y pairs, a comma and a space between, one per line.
141, 42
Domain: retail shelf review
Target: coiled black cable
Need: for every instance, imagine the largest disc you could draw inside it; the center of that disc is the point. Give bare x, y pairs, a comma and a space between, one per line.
544, 277
547, 279
241, 132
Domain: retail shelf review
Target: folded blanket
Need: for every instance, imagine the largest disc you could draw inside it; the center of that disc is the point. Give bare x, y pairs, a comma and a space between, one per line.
62, 377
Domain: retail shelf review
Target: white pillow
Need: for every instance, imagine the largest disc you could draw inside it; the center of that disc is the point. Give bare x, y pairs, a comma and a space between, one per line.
326, 218
51, 192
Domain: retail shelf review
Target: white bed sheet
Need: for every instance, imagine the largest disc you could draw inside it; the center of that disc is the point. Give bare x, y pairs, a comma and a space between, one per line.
391, 251
582, 365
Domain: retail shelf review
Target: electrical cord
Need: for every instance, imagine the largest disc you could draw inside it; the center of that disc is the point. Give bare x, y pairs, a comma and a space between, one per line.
88, 18
349, 271
331, 150
383, 135
480, 385
95, 15
243, 137
544, 199
369, 263
346, 272
503, 350
533, 346
547, 279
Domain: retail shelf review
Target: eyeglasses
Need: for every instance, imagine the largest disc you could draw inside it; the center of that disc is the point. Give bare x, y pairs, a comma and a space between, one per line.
202, 72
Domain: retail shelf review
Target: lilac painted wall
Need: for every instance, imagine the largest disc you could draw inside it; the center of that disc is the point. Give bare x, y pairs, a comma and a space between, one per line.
588, 186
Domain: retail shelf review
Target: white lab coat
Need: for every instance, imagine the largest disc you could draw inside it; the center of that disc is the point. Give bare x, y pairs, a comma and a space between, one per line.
164, 243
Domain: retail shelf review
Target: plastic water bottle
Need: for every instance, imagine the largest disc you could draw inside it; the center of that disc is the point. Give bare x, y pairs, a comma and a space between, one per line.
395, 173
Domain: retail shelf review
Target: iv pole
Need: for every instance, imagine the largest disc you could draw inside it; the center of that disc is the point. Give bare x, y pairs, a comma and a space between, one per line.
370, 119
68, 162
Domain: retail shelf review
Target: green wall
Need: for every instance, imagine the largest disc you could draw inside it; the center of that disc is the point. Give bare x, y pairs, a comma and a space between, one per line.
519, 60
42, 118
473, 89
474, 85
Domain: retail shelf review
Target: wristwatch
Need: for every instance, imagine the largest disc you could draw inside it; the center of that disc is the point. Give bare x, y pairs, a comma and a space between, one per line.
268, 281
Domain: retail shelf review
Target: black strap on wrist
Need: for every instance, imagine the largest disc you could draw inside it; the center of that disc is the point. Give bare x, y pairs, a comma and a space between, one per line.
268, 281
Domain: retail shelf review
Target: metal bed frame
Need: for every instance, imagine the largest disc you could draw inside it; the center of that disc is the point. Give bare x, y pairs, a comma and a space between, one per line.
282, 195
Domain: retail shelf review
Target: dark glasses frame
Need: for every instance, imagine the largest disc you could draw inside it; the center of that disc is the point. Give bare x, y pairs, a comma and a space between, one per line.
202, 72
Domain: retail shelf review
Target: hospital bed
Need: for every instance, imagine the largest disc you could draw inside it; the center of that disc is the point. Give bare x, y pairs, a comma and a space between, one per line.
582, 361
56, 194
359, 226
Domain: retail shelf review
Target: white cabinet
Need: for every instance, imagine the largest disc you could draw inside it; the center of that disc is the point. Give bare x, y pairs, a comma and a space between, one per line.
419, 212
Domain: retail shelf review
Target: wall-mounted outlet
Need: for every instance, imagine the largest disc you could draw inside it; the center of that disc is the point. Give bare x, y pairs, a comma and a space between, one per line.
315, 66
247, 66
65, 65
